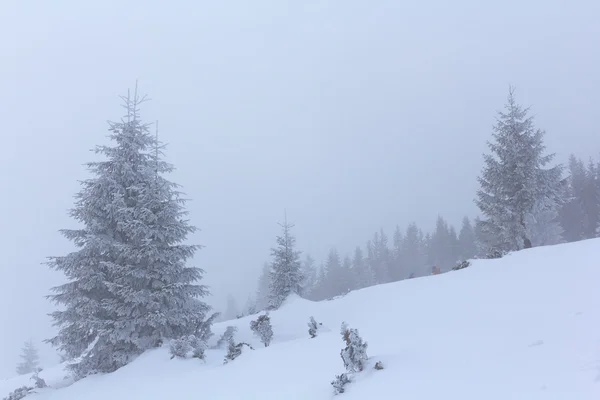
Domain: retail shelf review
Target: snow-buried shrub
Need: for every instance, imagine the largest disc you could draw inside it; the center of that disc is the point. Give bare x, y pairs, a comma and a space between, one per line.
182, 347
234, 350
354, 357
19, 393
262, 327
313, 327
461, 265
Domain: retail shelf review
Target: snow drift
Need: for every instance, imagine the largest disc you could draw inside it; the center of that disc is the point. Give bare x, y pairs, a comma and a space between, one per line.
523, 327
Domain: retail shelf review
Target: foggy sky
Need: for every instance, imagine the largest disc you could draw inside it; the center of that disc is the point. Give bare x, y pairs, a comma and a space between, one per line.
352, 115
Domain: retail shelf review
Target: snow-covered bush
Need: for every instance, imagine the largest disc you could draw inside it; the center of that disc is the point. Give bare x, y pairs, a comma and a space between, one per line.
262, 327
203, 330
183, 346
39, 382
354, 355
339, 383
313, 327
19, 393
461, 265
234, 350
180, 348
227, 335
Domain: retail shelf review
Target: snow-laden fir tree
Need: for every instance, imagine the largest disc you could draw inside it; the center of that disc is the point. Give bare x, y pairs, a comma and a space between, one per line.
29, 359
263, 329
467, 241
313, 327
263, 290
514, 179
354, 355
309, 273
286, 270
128, 288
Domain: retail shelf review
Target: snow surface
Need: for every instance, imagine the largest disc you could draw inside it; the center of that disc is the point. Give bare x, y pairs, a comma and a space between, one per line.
523, 327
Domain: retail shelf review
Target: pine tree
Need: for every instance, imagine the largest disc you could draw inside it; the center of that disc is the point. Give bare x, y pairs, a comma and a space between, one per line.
286, 274
264, 288
309, 272
128, 285
467, 240
571, 213
263, 329
232, 310
591, 202
363, 275
413, 250
30, 359
514, 180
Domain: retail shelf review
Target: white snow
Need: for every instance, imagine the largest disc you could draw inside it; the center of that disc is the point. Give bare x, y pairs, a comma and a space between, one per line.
523, 327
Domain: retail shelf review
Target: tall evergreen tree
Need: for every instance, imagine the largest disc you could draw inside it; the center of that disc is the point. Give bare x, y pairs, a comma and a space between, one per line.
263, 291
591, 202
309, 273
232, 311
29, 359
572, 213
514, 180
128, 284
363, 275
413, 250
286, 273
467, 240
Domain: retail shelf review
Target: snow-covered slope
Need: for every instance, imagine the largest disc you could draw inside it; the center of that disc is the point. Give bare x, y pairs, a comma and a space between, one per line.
523, 327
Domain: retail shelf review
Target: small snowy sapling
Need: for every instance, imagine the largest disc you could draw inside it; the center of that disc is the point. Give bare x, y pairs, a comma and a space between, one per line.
227, 335
354, 356
19, 393
234, 350
339, 383
313, 327
262, 327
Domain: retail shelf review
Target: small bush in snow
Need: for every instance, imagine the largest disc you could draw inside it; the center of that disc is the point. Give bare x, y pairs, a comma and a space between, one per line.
39, 382
262, 327
228, 334
182, 347
461, 265
339, 383
378, 365
19, 393
313, 327
234, 350
203, 330
354, 355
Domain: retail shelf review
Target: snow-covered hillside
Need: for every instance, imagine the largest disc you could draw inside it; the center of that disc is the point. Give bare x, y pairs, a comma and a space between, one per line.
523, 327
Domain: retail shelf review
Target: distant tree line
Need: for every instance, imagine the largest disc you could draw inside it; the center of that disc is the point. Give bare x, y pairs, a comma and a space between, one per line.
525, 201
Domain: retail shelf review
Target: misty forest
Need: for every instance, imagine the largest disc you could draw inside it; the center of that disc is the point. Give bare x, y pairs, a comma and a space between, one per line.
129, 288
134, 300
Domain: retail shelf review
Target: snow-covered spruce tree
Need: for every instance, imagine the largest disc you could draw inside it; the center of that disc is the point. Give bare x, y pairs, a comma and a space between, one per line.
514, 180
286, 271
234, 350
313, 327
263, 329
226, 336
354, 356
19, 393
264, 288
30, 359
128, 286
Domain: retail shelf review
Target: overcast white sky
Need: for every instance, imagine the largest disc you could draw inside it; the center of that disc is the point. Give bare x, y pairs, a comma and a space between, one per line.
353, 115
